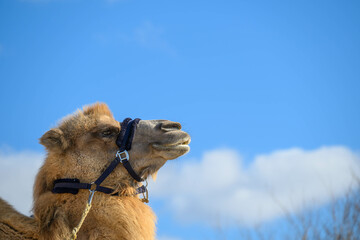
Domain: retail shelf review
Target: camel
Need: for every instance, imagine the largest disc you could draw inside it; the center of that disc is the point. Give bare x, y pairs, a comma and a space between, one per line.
81, 147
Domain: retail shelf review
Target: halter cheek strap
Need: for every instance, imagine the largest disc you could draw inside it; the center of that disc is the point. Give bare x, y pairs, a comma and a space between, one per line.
124, 142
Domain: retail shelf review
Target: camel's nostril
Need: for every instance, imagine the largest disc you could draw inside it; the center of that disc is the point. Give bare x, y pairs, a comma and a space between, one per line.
170, 126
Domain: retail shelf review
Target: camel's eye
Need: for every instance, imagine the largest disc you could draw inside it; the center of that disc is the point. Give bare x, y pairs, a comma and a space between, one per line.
107, 133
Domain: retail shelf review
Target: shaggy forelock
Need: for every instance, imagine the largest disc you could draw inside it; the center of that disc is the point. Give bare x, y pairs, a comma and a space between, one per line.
97, 109
82, 120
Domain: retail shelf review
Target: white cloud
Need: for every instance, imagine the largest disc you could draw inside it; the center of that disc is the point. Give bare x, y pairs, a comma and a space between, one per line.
17, 174
220, 188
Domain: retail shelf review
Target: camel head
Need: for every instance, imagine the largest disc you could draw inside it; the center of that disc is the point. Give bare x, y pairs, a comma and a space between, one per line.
84, 144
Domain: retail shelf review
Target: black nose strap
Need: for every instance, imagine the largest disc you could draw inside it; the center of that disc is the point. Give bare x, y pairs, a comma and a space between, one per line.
126, 134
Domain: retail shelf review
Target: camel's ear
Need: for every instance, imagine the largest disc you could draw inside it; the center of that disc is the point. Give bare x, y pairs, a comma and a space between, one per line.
54, 140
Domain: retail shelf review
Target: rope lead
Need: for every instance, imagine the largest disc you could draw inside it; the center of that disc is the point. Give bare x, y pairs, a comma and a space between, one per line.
83, 216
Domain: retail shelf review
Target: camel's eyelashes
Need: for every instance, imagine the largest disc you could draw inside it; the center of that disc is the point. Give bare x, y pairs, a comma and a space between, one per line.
108, 133
105, 131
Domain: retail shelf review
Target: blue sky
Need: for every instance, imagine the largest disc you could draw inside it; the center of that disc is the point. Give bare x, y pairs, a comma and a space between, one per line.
245, 78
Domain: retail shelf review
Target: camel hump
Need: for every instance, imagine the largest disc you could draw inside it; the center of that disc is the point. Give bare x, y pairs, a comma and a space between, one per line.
14, 225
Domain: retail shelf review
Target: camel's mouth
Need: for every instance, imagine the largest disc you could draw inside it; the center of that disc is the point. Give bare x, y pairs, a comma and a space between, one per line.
179, 147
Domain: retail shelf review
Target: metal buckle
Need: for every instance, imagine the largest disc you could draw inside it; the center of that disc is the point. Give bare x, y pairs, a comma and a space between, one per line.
121, 156
93, 186
145, 193
145, 198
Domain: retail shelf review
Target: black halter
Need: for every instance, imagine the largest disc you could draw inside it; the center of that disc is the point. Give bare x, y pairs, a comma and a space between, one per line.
123, 141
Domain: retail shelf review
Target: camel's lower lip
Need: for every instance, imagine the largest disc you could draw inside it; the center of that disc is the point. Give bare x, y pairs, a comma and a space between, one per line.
177, 147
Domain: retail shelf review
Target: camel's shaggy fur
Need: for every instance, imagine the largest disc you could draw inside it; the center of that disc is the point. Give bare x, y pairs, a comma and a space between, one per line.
81, 147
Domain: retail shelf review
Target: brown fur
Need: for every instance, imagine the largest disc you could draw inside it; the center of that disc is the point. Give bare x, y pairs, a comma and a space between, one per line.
78, 148
14, 225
